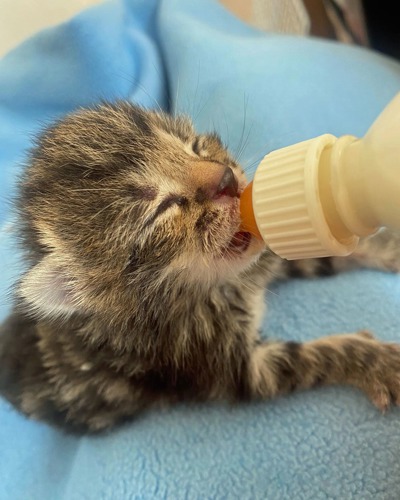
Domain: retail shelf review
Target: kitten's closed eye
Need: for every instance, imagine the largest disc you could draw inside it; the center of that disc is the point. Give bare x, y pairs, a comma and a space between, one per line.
170, 201
210, 147
199, 146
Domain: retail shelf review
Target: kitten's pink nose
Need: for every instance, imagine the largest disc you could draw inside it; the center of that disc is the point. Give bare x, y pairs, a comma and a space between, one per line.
228, 185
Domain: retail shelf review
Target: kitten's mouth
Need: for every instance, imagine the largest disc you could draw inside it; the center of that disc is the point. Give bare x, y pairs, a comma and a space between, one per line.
239, 243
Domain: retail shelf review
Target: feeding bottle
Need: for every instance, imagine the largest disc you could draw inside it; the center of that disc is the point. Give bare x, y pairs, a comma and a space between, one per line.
317, 198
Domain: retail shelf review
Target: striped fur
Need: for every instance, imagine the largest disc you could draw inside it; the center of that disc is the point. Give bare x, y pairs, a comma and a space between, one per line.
141, 290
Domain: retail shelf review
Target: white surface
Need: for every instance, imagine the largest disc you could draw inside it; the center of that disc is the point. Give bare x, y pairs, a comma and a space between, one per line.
20, 19
283, 16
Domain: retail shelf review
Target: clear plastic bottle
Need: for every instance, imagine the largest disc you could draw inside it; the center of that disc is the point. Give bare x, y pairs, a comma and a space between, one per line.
318, 197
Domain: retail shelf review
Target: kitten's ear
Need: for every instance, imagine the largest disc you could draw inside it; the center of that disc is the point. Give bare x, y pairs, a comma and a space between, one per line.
47, 290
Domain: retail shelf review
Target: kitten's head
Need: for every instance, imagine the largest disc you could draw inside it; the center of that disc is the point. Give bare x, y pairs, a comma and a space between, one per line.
119, 201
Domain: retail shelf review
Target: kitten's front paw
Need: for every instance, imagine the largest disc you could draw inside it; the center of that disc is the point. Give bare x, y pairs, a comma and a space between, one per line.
382, 380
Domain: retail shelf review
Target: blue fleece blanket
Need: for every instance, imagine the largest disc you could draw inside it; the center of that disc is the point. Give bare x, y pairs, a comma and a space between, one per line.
259, 92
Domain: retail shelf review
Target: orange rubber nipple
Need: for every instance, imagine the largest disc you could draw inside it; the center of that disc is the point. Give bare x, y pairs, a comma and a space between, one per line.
246, 212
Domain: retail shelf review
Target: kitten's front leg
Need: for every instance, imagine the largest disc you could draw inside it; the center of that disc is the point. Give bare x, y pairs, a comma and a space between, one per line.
356, 359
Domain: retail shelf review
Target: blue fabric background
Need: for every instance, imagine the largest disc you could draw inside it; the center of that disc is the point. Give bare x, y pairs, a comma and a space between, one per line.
259, 92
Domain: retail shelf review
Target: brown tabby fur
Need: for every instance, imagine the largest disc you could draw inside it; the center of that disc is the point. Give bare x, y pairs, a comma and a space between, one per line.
139, 289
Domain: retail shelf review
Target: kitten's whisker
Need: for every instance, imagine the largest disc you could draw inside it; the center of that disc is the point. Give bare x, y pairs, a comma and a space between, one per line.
176, 103
197, 89
274, 275
256, 158
96, 189
263, 287
201, 108
226, 126
243, 127
244, 143
115, 202
141, 87
162, 83
245, 285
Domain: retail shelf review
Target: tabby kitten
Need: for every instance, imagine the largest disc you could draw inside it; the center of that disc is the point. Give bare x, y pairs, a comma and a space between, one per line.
141, 288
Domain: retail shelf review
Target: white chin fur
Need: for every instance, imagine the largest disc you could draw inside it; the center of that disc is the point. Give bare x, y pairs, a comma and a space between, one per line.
206, 270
